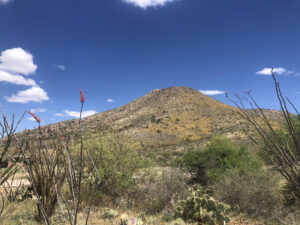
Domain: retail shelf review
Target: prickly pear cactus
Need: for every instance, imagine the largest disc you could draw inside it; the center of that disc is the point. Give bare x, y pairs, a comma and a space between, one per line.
202, 208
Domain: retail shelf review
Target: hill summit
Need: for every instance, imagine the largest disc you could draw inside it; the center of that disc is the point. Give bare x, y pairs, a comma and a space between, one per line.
170, 116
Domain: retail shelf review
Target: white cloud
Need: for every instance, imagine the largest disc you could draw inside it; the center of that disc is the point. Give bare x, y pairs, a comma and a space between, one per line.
5, 1
33, 94
278, 70
38, 110
15, 79
17, 60
60, 67
292, 72
59, 114
212, 92
148, 3
77, 114
31, 119
14, 63
110, 100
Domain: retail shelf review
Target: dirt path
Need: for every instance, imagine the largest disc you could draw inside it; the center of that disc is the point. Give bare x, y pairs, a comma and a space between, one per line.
16, 183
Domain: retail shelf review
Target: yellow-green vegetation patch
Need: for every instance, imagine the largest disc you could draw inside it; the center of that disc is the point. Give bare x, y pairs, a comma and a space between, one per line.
16, 213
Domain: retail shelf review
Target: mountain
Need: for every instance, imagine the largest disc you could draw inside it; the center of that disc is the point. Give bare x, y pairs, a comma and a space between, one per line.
169, 116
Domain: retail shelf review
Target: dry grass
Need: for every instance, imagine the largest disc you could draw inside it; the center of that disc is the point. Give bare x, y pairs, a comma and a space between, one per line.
22, 213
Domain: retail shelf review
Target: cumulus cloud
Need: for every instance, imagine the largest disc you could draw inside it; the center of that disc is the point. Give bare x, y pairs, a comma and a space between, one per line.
110, 100
60, 67
15, 79
77, 114
17, 60
5, 1
38, 110
33, 94
268, 71
15, 63
148, 3
212, 92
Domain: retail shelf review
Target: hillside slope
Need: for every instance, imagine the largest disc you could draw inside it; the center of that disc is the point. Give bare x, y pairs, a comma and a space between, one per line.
168, 116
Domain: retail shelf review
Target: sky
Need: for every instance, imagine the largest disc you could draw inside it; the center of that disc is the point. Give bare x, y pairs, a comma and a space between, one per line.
119, 50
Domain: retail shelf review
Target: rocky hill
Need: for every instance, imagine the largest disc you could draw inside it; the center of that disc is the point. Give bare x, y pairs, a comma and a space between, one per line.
168, 116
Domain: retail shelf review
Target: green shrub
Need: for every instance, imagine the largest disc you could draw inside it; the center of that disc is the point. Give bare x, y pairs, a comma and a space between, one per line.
220, 155
178, 221
256, 193
202, 208
109, 213
116, 162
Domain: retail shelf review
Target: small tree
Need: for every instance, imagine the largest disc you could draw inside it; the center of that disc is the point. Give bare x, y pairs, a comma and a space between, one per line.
281, 148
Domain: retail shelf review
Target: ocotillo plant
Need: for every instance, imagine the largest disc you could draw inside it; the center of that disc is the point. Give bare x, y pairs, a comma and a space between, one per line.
7, 153
75, 173
282, 149
47, 169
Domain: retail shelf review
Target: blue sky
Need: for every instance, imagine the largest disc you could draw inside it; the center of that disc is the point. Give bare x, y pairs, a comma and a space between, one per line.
119, 50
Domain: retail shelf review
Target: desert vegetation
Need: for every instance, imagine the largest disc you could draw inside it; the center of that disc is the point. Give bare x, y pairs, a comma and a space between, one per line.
107, 178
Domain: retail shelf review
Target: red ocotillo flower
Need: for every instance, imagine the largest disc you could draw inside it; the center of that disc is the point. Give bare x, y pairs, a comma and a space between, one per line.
35, 117
81, 96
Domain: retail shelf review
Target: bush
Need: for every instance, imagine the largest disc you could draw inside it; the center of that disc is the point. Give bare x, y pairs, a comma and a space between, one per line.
256, 193
220, 155
159, 188
290, 196
116, 162
109, 214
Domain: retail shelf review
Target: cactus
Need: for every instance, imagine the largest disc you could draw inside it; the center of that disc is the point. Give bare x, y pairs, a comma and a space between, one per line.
202, 208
